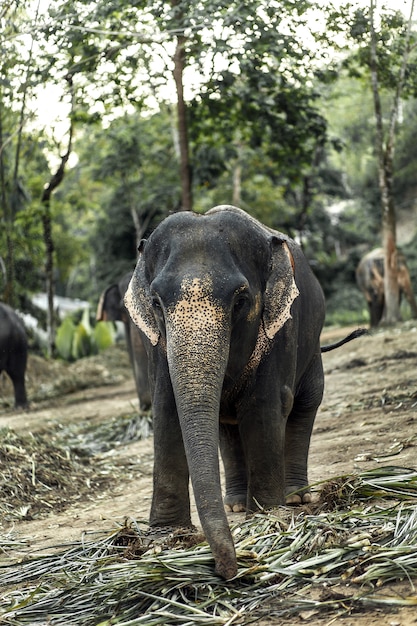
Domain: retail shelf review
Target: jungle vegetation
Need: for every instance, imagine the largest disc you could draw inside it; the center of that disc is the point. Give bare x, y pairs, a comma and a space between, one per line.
114, 113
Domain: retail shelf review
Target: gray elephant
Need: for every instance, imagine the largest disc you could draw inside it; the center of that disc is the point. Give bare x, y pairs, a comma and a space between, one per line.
111, 309
370, 280
13, 352
231, 315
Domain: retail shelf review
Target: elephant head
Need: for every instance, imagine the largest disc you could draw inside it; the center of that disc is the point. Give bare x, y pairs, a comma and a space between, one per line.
210, 293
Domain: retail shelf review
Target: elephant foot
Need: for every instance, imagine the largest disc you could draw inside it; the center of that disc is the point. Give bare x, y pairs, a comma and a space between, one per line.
235, 508
297, 496
174, 536
235, 504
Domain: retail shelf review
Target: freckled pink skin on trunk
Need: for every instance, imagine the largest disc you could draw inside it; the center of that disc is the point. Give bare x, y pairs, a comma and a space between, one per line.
197, 352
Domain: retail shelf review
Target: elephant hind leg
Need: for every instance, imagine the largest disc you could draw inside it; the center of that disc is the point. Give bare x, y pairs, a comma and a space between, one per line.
16, 371
298, 433
297, 440
234, 468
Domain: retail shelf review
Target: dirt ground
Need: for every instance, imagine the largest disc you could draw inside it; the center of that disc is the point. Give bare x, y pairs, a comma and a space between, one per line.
368, 418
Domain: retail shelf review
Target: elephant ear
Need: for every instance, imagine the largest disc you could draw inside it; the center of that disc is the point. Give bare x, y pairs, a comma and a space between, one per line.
110, 306
281, 290
138, 301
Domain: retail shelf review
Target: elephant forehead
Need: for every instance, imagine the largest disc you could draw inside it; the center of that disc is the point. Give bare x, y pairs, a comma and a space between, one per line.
196, 308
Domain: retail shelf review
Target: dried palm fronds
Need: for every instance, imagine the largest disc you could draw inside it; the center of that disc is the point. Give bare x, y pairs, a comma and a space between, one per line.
9, 541
93, 439
38, 474
382, 482
285, 558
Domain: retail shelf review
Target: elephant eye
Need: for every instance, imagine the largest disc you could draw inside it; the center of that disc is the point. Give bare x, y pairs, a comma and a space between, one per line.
240, 303
156, 304
241, 300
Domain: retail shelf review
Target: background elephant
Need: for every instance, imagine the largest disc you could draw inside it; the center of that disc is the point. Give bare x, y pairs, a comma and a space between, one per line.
13, 352
231, 315
370, 280
112, 309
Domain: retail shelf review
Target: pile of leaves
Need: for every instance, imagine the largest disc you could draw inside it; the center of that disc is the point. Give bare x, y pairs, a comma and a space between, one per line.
92, 439
38, 475
41, 472
337, 559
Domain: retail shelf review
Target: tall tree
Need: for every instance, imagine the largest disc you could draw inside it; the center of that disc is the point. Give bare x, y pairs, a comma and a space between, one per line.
54, 182
385, 151
11, 130
198, 45
385, 57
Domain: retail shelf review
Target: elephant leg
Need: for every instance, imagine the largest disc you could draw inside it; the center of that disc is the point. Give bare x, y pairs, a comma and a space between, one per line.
407, 289
170, 500
234, 468
298, 433
376, 310
16, 371
19, 390
262, 430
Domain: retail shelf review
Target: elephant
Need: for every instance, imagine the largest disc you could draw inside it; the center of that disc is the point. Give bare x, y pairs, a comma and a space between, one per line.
13, 352
231, 315
370, 280
111, 308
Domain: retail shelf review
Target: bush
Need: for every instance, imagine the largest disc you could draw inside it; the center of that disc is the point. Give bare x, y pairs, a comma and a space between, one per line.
75, 341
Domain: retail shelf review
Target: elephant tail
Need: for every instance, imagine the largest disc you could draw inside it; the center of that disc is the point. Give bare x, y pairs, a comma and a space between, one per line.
359, 332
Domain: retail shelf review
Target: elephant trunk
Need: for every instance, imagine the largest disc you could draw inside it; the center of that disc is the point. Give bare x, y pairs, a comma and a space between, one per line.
197, 360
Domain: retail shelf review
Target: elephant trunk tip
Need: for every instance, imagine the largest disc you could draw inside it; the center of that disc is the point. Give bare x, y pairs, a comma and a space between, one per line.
226, 565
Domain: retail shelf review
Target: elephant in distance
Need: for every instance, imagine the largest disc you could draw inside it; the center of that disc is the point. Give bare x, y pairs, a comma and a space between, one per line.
111, 309
370, 280
13, 352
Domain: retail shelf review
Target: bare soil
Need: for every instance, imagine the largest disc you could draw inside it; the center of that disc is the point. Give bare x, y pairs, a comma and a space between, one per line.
368, 418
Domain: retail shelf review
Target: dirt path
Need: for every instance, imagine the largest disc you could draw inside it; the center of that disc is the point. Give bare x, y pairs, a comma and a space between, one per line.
368, 418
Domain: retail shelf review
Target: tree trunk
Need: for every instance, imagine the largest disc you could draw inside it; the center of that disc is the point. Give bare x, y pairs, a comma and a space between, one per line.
237, 176
54, 182
8, 294
185, 173
386, 170
49, 272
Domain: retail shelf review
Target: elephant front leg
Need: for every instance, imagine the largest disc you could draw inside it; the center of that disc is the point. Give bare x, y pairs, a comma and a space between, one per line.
170, 499
263, 433
234, 468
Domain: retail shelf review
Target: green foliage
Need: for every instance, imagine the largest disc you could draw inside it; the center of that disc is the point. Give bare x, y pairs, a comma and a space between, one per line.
346, 307
75, 341
103, 335
265, 104
64, 339
81, 342
133, 183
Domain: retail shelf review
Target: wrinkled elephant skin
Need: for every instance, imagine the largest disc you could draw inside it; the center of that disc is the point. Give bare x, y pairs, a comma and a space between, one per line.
13, 352
111, 309
370, 280
231, 316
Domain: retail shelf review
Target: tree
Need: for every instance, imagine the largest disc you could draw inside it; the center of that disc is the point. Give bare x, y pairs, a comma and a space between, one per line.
55, 180
22, 75
384, 56
207, 44
131, 187
385, 152
13, 194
